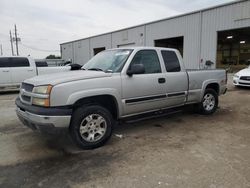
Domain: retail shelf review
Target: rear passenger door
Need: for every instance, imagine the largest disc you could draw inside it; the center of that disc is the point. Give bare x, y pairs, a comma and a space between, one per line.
21, 69
5, 75
176, 79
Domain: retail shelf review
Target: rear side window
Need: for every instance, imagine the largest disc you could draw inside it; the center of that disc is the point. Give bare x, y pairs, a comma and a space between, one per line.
4, 62
41, 64
149, 59
19, 62
171, 61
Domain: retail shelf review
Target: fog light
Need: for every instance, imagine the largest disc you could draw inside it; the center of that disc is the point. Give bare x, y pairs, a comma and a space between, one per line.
40, 102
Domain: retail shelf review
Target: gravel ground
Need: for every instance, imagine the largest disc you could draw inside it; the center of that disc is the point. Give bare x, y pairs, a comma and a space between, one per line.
181, 150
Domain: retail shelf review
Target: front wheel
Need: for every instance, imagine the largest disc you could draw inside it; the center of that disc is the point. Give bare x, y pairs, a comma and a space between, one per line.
209, 102
91, 126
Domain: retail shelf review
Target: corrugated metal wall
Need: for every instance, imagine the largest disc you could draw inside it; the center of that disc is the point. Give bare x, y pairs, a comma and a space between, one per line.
67, 51
100, 41
81, 51
199, 30
187, 26
132, 37
219, 19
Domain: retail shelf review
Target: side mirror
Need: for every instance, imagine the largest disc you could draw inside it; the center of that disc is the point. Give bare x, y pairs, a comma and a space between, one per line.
75, 66
136, 69
209, 63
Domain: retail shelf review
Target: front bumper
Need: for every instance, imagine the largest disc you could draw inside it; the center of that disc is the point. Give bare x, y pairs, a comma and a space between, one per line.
43, 119
239, 82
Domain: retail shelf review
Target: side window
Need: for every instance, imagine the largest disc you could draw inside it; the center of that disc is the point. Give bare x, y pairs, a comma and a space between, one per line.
149, 59
19, 62
41, 64
171, 61
4, 62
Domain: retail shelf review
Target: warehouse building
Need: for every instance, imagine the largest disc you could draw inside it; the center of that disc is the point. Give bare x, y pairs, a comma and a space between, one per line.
219, 35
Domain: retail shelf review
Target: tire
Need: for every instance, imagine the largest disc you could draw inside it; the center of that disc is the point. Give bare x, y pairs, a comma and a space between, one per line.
210, 106
91, 126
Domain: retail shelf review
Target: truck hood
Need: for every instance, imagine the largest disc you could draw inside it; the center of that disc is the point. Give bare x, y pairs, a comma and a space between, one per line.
62, 77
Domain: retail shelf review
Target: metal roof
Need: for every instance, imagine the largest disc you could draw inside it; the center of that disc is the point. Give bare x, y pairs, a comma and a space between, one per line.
164, 19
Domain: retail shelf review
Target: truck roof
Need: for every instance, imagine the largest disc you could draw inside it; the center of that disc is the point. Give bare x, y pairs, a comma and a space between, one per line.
14, 56
145, 47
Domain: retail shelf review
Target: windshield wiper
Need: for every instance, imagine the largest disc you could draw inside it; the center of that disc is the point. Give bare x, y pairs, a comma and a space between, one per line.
109, 71
96, 69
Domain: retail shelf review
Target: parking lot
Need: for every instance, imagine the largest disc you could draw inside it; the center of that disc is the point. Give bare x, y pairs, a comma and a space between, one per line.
181, 150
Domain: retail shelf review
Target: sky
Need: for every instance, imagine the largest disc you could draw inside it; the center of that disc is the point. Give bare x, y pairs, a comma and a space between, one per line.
43, 25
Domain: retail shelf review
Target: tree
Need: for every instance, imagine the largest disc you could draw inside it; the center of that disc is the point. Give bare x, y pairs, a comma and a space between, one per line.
51, 56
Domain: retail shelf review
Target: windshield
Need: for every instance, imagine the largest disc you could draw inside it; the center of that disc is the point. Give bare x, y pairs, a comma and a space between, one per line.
108, 61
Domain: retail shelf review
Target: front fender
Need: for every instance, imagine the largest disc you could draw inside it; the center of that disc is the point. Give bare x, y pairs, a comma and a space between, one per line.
95, 92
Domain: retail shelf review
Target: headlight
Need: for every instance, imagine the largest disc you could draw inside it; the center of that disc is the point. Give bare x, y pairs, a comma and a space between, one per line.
42, 89
42, 95
236, 76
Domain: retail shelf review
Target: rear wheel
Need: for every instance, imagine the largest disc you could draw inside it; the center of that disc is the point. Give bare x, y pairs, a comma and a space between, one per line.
209, 102
91, 126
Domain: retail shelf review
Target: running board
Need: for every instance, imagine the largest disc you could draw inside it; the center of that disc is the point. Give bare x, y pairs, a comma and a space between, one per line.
151, 115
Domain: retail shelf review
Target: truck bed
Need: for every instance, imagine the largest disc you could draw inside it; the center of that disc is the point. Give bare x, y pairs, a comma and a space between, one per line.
196, 79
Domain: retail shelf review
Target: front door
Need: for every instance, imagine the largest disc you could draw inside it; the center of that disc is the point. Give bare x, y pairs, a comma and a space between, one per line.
144, 92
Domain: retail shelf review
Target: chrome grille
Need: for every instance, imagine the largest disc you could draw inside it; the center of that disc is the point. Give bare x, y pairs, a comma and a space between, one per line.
25, 93
247, 78
27, 87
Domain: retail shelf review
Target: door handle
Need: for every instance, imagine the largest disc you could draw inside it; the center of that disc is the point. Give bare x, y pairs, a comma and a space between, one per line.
6, 71
30, 70
161, 80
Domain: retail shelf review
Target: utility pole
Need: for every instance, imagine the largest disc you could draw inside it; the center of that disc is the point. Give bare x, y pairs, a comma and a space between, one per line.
1, 48
11, 43
16, 41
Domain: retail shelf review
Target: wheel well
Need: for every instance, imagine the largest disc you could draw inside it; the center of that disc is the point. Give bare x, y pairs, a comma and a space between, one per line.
214, 86
107, 101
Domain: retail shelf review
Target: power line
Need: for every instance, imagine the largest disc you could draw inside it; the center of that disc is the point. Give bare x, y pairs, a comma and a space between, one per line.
16, 41
37, 49
11, 43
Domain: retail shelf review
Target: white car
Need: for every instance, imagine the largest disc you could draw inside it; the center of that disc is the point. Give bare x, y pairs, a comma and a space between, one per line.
14, 70
242, 78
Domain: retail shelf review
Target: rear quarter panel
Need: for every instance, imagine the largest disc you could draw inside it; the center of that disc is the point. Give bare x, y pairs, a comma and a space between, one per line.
199, 80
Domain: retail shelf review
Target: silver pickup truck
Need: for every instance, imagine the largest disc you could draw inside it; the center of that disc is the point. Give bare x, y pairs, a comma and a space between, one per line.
116, 84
